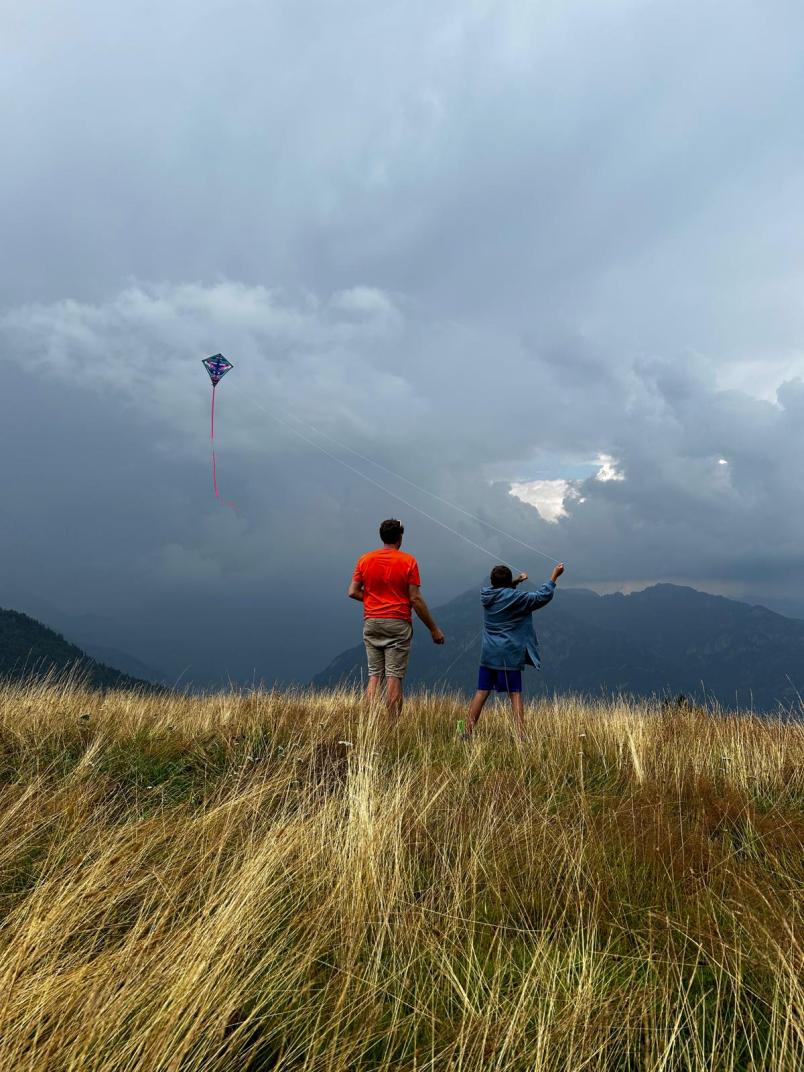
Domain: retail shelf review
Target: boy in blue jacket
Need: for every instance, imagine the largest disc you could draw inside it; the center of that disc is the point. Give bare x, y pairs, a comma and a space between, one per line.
509, 642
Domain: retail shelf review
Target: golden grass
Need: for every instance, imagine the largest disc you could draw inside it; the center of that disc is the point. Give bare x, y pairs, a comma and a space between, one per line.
221, 883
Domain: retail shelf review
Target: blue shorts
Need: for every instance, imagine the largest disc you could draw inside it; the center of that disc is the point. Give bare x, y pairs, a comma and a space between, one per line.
501, 680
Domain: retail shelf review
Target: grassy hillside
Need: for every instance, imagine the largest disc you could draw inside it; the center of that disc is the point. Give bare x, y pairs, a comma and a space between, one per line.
273, 881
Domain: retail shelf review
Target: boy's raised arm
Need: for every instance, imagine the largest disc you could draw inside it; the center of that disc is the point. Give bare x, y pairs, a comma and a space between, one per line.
543, 595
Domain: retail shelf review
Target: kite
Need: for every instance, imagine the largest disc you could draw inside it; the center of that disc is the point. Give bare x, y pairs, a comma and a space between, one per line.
217, 366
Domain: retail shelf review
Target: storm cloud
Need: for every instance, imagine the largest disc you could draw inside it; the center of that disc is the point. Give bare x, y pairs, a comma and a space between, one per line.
482, 245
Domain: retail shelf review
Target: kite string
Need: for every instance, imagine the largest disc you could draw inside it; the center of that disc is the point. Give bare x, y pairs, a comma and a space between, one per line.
377, 484
424, 491
398, 497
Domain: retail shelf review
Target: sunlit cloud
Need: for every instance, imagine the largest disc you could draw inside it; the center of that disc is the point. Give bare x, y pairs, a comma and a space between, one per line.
608, 469
548, 496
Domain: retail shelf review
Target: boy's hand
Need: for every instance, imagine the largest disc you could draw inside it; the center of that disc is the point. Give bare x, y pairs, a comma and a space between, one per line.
437, 635
557, 571
521, 578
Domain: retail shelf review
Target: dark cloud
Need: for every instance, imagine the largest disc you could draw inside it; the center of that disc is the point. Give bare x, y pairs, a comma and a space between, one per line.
478, 243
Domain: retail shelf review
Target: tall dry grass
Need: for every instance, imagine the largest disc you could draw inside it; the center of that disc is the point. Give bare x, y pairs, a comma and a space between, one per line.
221, 883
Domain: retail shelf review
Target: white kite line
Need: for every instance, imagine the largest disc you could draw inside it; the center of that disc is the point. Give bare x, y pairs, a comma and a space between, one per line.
395, 495
424, 491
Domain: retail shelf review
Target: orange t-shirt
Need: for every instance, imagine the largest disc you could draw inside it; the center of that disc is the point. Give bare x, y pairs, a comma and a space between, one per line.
385, 575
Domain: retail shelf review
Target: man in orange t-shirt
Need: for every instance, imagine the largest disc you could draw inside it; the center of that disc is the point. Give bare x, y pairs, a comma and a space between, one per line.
387, 583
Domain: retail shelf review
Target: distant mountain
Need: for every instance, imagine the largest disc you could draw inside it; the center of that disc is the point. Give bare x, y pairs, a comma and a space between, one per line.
121, 660
664, 640
104, 639
29, 649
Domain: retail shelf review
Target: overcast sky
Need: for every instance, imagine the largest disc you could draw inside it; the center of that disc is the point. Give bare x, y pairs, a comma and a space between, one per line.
556, 246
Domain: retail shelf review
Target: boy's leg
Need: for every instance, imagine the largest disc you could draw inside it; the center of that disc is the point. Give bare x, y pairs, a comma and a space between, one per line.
475, 709
518, 712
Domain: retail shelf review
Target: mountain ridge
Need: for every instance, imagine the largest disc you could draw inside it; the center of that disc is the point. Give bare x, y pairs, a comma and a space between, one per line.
660, 641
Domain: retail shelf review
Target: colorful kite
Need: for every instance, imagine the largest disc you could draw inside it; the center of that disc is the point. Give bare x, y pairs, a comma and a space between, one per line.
217, 366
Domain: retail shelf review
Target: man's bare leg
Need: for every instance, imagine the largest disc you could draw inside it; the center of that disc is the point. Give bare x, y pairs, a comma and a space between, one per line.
518, 712
394, 697
374, 682
475, 709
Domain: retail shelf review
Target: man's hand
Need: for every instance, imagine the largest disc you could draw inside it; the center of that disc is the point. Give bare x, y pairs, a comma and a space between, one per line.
438, 636
557, 571
520, 579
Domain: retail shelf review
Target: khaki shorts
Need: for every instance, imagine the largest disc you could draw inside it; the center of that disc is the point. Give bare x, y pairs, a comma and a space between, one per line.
387, 643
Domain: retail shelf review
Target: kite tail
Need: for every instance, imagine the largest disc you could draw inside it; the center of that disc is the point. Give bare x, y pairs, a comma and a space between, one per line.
212, 440
231, 505
214, 461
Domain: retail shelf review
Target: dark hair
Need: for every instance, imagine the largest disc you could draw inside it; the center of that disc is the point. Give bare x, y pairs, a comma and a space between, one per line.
501, 577
391, 530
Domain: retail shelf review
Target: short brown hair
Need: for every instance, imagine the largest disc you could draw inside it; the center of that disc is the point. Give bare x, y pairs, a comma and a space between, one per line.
501, 577
391, 530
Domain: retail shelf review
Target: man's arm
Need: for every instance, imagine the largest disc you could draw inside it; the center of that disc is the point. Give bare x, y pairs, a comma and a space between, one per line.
423, 613
356, 591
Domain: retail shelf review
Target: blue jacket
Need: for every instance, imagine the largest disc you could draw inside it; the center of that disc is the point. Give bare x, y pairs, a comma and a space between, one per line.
509, 642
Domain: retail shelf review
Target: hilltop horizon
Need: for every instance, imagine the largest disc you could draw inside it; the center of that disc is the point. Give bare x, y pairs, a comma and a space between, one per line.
577, 646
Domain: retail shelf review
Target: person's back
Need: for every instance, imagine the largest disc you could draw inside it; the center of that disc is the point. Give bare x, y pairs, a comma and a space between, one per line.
386, 575
509, 642
386, 582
